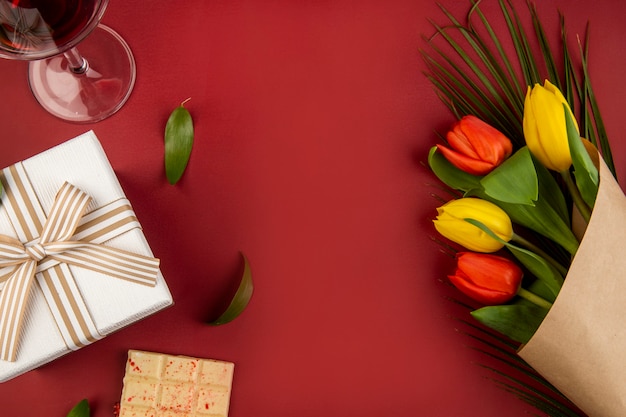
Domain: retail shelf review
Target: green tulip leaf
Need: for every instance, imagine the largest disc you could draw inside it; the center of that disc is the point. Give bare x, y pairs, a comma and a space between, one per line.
541, 268
519, 322
585, 172
178, 142
541, 290
240, 299
550, 193
450, 175
80, 410
543, 218
548, 216
514, 181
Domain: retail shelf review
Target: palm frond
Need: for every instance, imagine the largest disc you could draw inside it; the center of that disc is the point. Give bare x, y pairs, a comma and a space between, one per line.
472, 72
536, 398
511, 372
546, 50
525, 56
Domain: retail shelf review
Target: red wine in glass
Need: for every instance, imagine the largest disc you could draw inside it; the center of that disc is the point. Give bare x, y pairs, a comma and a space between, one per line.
82, 87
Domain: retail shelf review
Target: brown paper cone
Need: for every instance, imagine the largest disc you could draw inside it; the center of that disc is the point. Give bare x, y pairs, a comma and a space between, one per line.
581, 345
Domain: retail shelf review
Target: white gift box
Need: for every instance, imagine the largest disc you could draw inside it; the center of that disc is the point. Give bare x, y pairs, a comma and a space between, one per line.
111, 303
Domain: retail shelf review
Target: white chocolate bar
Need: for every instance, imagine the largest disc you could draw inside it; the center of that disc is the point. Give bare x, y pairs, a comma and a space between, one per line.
160, 385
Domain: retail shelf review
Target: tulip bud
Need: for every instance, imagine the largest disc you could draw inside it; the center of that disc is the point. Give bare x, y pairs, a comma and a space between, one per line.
451, 223
476, 147
488, 279
544, 125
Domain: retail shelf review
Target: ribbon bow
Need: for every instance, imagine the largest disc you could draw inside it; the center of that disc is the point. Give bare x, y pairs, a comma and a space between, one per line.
45, 248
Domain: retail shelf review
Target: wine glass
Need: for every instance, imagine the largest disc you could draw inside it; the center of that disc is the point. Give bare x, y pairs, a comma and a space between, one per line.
81, 87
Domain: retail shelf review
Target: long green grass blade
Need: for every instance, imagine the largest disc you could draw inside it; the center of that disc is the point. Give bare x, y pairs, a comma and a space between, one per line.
451, 91
473, 88
558, 400
602, 140
494, 77
544, 46
510, 83
482, 85
524, 382
520, 42
539, 399
572, 86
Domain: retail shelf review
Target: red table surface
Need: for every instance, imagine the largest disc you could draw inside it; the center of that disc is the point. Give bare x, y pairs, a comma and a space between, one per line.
313, 119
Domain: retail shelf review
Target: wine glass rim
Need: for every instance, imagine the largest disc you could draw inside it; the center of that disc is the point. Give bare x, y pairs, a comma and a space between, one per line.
94, 20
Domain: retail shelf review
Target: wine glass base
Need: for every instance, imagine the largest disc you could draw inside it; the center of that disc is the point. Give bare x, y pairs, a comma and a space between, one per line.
94, 94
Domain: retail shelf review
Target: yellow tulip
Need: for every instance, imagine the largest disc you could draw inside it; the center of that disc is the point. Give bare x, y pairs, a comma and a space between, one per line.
451, 223
544, 126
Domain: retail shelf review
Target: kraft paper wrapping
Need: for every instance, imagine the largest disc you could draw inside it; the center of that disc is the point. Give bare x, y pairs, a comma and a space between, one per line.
113, 303
580, 346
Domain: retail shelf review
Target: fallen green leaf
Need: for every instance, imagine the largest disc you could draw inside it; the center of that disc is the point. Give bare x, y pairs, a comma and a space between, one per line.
240, 299
178, 142
80, 410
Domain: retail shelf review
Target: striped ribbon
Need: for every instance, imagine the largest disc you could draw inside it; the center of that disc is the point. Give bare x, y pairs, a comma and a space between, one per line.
45, 247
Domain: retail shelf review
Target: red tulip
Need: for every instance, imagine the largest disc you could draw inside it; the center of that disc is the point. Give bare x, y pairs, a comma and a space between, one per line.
476, 147
489, 279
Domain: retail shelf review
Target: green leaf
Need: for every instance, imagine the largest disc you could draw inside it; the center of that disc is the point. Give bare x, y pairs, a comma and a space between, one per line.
514, 181
551, 193
178, 142
539, 288
540, 268
450, 175
240, 299
536, 264
519, 322
80, 410
541, 218
585, 172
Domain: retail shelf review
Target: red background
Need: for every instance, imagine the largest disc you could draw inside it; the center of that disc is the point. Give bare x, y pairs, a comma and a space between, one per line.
312, 121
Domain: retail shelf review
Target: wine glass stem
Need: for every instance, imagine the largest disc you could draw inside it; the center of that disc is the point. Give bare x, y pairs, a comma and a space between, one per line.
78, 64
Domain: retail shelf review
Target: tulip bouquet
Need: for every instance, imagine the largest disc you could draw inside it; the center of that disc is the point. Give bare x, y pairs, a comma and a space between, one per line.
537, 217
501, 188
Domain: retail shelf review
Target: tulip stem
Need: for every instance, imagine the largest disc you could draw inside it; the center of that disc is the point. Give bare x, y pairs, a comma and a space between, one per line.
577, 198
534, 298
537, 250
